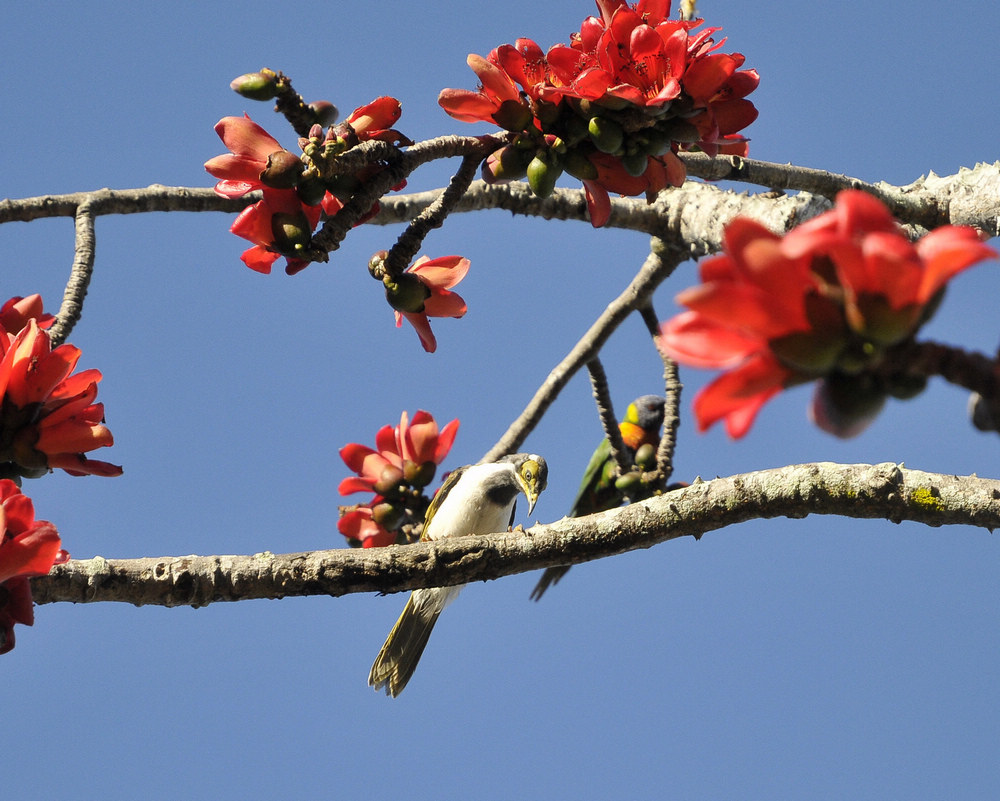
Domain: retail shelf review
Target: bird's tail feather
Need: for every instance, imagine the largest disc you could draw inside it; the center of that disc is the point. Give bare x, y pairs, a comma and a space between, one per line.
549, 577
398, 658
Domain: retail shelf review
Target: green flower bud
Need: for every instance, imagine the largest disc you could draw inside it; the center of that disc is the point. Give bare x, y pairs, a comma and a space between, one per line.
645, 457
292, 232
419, 475
656, 142
808, 352
628, 482
283, 171
388, 515
636, 163
513, 115
406, 292
547, 114
579, 166
678, 130
388, 484
607, 135
509, 163
261, 85
874, 318
543, 172
311, 190
576, 129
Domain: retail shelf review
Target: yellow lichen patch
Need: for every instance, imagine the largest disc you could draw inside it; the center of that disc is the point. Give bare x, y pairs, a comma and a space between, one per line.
927, 498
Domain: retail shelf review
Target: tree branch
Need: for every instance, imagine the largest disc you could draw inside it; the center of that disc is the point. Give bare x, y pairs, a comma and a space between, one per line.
886, 491
660, 263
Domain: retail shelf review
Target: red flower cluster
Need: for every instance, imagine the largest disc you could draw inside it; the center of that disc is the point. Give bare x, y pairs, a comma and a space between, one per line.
28, 547
404, 462
825, 301
423, 291
281, 224
614, 106
48, 417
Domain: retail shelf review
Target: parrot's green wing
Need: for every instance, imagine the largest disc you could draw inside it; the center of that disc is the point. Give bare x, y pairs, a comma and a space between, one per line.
583, 503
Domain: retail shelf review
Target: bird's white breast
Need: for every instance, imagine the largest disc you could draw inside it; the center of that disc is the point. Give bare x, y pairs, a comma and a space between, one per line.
467, 510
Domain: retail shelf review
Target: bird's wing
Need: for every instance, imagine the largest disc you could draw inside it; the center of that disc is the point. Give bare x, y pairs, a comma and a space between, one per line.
439, 497
590, 477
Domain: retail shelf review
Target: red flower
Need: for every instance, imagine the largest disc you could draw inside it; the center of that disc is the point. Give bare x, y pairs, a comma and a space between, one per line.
824, 301
631, 90
16, 312
405, 454
49, 418
358, 525
28, 547
282, 223
250, 147
424, 291
404, 463
373, 121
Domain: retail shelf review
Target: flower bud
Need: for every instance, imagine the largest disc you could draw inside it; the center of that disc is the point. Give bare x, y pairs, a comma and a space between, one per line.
376, 264
509, 163
406, 292
283, 171
844, 405
679, 130
419, 475
261, 85
809, 352
543, 172
872, 316
655, 142
645, 457
635, 163
628, 482
513, 115
291, 232
311, 190
579, 166
607, 135
388, 515
389, 481
325, 112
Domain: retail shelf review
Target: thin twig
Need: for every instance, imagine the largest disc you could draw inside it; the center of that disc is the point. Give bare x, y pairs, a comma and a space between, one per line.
606, 411
653, 272
409, 242
84, 251
671, 410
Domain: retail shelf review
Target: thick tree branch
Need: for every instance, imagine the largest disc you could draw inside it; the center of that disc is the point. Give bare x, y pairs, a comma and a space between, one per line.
886, 491
970, 197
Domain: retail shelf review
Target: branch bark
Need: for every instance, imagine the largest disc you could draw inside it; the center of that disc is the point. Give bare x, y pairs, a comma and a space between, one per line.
886, 491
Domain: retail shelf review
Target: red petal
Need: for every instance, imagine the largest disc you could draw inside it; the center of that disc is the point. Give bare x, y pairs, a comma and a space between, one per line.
30, 554
246, 138
946, 252
697, 341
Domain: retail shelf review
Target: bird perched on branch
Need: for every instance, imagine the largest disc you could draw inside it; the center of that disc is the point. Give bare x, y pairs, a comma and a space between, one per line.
601, 488
477, 499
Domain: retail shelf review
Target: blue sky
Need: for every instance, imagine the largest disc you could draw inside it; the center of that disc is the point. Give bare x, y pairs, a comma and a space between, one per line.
824, 658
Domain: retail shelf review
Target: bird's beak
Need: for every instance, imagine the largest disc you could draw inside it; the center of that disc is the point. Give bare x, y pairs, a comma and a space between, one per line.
532, 499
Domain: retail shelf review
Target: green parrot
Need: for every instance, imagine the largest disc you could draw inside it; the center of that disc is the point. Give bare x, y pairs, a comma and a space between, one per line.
598, 491
476, 499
